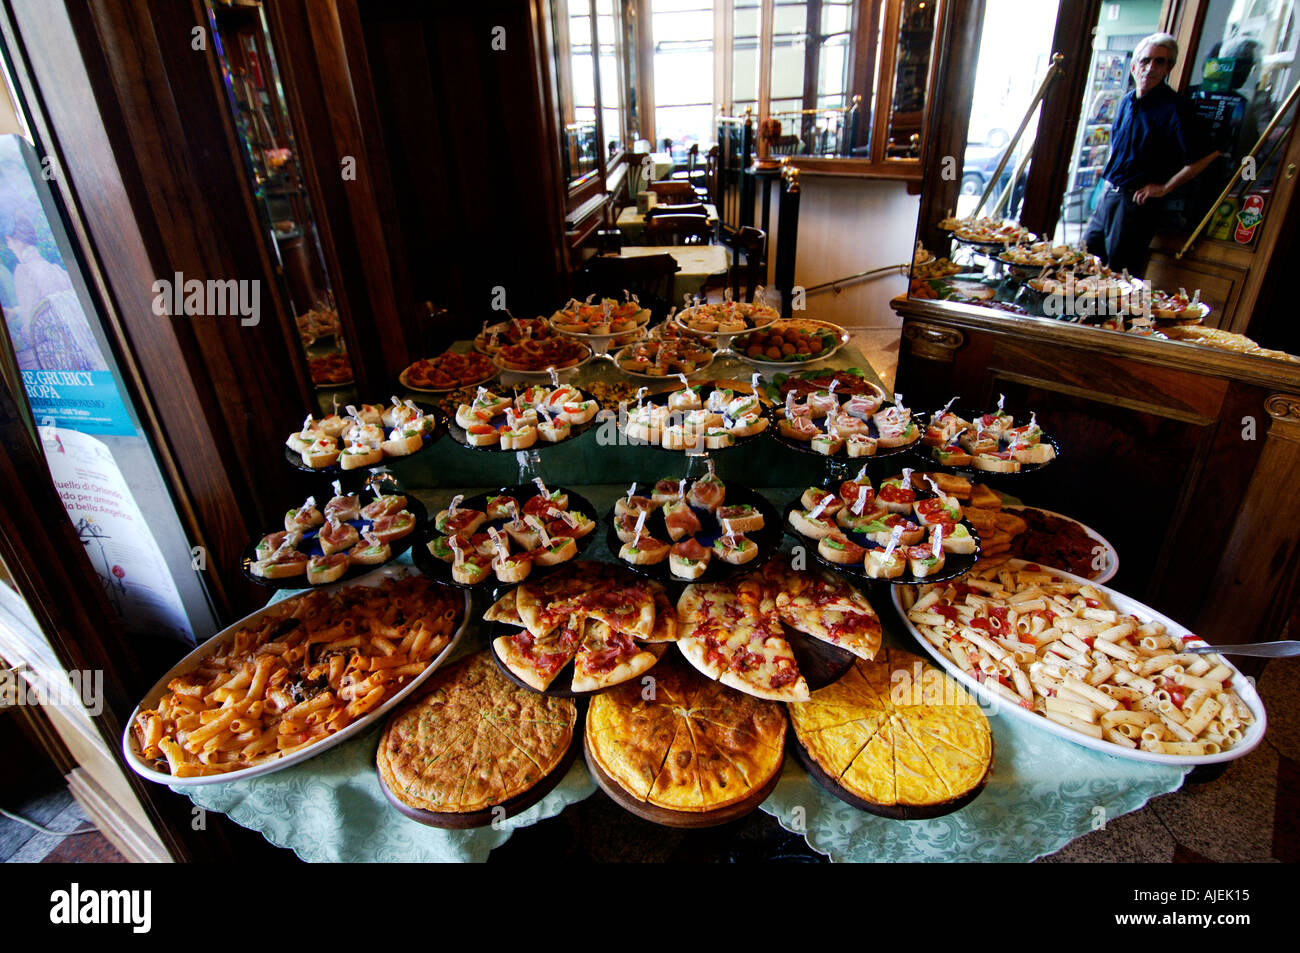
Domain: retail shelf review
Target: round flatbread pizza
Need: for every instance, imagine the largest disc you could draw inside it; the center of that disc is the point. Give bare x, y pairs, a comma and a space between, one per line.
684, 743
898, 733
734, 632
474, 740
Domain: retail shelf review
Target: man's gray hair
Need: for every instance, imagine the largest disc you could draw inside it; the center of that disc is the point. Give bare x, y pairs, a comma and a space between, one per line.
1158, 39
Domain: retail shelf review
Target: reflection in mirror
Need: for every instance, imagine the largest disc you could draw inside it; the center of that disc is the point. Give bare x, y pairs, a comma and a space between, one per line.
916, 21
1240, 76
248, 66
576, 68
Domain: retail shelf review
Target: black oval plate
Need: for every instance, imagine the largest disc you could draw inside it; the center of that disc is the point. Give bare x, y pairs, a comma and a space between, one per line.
431, 565
926, 453
806, 446
954, 565
767, 539
311, 547
461, 437
334, 472
705, 388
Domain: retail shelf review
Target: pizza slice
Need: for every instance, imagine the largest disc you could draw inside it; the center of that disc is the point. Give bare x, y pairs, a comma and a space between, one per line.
836, 747
761, 663
721, 782
504, 610
918, 782
665, 627
677, 786
537, 660
856, 632
626, 606
871, 773
960, 768
608, 657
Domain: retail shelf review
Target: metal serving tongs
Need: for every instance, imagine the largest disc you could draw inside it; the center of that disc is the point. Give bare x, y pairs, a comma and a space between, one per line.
1261, 649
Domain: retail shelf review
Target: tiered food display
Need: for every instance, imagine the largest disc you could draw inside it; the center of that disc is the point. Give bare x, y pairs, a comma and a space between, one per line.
348, 537
692, 529
860, 426
696, 417
448, 371
987, 231
790, 343
896, 533
364, 438
507, 535
990, 443
728, 317
609, 316
536, 415
606, 621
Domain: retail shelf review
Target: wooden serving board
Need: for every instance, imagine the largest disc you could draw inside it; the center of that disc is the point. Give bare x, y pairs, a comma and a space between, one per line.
678, 819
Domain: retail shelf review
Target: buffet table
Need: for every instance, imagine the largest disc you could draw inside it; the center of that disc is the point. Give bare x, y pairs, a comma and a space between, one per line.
1043, 792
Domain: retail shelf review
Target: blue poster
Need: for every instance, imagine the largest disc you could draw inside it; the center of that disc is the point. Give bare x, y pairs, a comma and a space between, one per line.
63, 365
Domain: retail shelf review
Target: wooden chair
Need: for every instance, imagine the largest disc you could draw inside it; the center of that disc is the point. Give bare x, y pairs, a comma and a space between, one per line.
784, 146
752, 243
674, 193
649, 277
707, 187
678, 230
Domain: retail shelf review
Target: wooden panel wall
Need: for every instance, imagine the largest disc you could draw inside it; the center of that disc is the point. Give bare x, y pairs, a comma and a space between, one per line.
143, 132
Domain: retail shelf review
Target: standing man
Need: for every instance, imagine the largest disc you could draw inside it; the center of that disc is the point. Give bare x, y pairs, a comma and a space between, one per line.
1155, 146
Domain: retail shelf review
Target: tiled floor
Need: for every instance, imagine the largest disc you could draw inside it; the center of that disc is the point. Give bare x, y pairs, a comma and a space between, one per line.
56, 811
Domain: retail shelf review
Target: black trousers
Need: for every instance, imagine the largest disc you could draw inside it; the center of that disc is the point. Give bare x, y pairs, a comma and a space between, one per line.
1120, 231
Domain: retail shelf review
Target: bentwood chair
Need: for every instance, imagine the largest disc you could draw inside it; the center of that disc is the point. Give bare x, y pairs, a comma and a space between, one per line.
674, 193
678, 230
649, 277
752, 244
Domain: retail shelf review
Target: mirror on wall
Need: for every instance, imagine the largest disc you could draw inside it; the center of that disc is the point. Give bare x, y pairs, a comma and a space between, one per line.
251, 76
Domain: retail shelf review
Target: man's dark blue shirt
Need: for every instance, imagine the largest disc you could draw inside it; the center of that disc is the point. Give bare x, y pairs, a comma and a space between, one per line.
1152, 138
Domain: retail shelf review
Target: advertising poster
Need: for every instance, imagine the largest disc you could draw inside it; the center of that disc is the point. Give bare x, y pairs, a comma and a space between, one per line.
123, 551
67, 379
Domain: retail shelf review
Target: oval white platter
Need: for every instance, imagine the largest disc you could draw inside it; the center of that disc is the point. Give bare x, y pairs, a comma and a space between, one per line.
1112, 555
144, 767
1125, 606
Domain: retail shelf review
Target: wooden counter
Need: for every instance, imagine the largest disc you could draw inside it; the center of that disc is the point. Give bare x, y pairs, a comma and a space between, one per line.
1185, 458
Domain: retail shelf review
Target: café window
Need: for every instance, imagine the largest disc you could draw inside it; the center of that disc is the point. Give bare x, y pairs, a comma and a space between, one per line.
683, 73
823, 78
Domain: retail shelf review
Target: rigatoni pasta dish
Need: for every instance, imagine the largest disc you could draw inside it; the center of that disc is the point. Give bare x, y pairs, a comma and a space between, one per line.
293, 677
1058, 647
